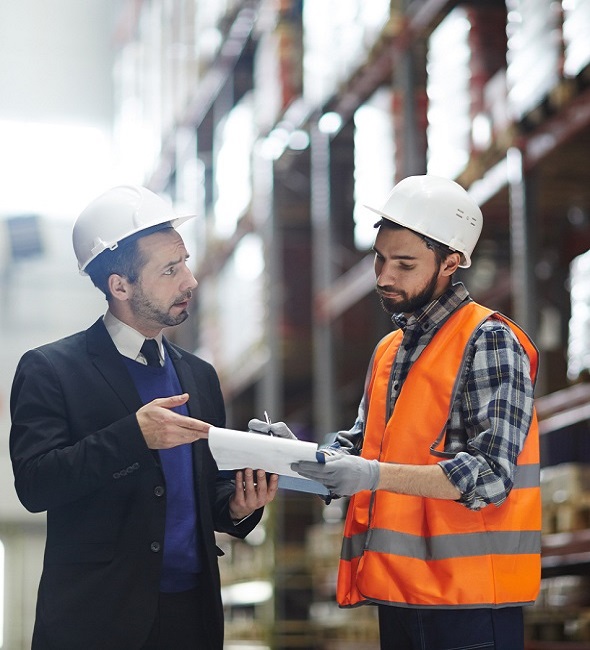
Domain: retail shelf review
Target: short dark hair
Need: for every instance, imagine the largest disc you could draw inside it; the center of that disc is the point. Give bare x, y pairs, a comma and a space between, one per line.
441, 251
125, 260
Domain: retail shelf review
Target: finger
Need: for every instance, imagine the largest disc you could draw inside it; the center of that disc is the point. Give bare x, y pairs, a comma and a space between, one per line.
273, 487
281, 430
270, 489
260, 487
259, 426
252, 487
239, 491
309, 470
249, 483
255, 488
172, 401
193, 425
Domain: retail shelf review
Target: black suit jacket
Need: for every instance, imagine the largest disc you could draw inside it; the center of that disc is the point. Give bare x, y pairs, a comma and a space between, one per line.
78, 453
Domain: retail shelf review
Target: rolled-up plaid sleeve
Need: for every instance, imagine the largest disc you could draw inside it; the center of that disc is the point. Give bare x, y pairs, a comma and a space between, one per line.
490, 418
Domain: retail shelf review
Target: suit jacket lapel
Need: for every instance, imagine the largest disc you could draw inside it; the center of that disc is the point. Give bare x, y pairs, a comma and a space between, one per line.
106, 358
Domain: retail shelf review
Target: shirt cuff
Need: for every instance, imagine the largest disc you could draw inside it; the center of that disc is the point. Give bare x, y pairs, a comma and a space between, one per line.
237, 522
463, 476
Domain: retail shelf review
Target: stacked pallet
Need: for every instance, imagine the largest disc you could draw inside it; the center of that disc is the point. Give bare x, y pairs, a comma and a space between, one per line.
565, 490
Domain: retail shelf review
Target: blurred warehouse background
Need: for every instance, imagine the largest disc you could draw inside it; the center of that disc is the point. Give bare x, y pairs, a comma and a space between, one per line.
276, 121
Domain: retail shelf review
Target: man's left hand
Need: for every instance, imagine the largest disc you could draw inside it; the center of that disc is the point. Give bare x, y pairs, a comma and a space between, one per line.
342, 474
252, 492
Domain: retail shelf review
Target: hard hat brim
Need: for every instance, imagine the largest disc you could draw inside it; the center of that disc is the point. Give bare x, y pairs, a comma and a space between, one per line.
465, 259
383, 215
178, 221
175, 222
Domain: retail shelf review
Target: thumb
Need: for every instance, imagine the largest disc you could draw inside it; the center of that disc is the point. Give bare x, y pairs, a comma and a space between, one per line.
172, 401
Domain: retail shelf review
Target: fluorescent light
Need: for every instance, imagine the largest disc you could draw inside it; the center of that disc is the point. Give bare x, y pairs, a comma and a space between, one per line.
247, 593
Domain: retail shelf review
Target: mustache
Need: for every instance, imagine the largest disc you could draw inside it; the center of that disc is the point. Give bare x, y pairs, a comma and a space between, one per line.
185, 297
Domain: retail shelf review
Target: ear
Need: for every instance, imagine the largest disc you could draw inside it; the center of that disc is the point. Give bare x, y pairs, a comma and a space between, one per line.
119, 287
451, 264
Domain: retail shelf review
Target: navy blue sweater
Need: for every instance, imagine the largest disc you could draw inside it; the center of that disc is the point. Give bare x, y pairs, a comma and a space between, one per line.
181, 561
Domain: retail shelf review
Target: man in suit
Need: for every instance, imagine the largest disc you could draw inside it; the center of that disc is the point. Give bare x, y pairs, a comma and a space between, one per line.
109, 438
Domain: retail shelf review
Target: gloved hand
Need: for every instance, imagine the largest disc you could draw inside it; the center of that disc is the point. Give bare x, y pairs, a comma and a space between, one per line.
278, 429
342, 473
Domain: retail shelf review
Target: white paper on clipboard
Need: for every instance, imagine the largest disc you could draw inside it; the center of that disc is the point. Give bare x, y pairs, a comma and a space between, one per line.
235, 450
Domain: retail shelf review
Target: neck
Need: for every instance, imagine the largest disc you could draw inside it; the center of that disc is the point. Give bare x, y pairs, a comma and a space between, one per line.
129, 319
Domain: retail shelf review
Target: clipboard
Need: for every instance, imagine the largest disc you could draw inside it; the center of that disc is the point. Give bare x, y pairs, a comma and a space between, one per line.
234, 450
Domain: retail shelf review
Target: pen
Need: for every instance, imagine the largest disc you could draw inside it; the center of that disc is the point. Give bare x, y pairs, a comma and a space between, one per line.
267, 420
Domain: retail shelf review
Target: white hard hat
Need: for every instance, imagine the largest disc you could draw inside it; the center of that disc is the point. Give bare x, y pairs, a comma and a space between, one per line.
118, 213
437, 208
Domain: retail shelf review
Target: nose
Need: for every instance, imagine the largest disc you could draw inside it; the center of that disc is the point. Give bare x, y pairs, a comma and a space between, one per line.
189, 281
383, 273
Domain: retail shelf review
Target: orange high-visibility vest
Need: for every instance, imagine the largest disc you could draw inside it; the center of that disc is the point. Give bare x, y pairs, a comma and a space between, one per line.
414, 551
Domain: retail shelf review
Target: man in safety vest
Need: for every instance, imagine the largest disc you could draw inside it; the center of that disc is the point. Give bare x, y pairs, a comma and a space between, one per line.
443, 530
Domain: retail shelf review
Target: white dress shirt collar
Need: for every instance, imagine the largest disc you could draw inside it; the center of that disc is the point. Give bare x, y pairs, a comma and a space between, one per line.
127, 340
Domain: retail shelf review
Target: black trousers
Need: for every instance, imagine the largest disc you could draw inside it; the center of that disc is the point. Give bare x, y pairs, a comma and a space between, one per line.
451, 629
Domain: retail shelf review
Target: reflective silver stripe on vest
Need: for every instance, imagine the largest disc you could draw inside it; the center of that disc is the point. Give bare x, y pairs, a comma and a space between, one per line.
442, 547
527, 476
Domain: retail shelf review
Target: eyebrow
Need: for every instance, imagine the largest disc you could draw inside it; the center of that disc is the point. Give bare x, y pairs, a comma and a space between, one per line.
175, 262
394, 257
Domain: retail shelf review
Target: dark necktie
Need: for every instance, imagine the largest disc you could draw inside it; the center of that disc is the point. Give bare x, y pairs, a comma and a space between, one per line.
149, 349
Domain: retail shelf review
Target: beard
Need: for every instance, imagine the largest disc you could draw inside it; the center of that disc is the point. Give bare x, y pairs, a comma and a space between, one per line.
406, 304
147, 310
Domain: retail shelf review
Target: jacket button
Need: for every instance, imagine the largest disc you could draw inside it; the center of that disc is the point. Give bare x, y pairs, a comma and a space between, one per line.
159, 491
155, 547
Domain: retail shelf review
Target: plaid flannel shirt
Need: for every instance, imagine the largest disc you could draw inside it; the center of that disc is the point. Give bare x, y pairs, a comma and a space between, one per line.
492, 411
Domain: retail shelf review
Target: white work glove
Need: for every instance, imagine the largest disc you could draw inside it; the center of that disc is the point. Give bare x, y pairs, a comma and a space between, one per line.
278, 429
342, 474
